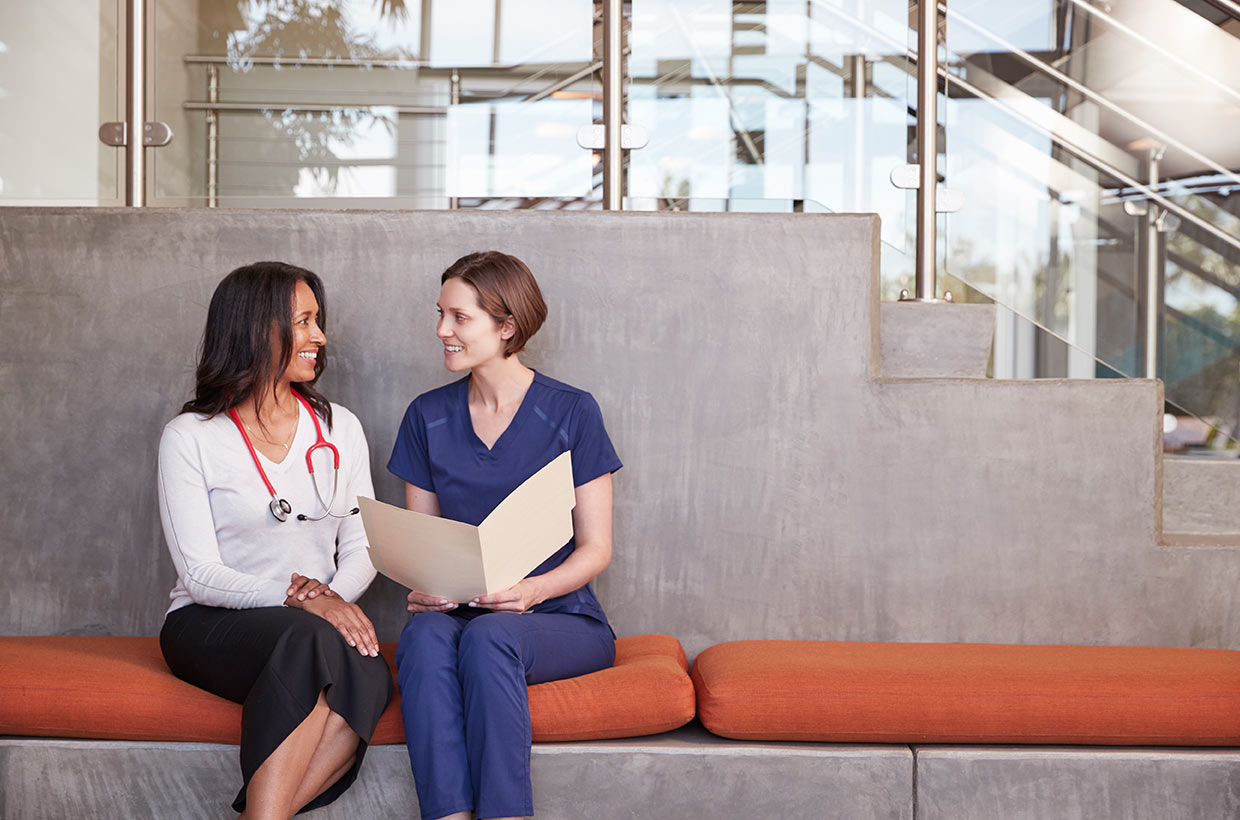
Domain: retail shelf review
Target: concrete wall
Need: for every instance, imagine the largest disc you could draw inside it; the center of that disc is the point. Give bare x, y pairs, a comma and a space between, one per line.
773, 486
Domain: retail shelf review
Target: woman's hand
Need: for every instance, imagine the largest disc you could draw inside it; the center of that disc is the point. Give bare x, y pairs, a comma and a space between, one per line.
421, 602
301, 588
348, 619
517, 598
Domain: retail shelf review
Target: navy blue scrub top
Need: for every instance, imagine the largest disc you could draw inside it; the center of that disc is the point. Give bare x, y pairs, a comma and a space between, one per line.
437, 450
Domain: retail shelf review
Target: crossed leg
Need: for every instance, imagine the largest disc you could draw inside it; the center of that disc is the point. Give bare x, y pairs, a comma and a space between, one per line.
314, 756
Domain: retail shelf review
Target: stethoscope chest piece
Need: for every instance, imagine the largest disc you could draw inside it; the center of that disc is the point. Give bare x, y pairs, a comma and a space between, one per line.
280, 508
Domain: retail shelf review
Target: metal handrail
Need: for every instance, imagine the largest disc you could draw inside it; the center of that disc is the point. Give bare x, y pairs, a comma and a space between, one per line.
1231, 9
349, 62
196, 105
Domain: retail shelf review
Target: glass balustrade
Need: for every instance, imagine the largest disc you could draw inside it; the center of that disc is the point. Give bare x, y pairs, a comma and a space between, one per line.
1092, 191
1090, 143
373, 104
61, 65
752, 105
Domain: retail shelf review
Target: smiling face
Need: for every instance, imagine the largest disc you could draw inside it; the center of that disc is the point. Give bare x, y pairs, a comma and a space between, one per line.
471, 337
307, 336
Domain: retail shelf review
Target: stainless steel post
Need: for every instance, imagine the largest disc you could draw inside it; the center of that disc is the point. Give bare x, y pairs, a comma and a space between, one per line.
213, 138
857, 91
613, 103
135, 104
1153, 268
454, 99
927, 149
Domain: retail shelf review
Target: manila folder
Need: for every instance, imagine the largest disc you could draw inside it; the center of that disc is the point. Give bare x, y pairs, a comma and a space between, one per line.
460, 561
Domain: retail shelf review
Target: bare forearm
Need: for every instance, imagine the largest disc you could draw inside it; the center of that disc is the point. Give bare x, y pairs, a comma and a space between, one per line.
578, 570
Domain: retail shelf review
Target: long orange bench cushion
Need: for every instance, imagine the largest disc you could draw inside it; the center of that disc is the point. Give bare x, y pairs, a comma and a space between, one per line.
969, 693
119, 688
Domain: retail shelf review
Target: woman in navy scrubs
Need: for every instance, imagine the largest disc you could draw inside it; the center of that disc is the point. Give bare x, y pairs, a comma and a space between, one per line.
463, 666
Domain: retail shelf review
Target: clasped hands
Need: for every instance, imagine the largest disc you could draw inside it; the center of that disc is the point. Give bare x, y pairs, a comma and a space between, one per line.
517, 598
318, 598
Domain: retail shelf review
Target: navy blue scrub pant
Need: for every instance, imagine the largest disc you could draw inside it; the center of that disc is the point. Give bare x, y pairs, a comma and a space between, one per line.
462, 679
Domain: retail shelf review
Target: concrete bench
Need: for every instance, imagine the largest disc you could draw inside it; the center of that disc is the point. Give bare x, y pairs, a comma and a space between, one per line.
800, 729
1068, 708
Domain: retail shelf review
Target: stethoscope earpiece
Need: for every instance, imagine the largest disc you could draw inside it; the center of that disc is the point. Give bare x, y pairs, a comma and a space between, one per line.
304, 517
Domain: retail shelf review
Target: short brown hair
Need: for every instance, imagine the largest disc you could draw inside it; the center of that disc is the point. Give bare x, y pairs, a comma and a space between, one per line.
505, 287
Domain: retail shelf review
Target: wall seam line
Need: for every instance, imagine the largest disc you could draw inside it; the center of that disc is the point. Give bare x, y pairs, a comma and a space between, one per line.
913, 750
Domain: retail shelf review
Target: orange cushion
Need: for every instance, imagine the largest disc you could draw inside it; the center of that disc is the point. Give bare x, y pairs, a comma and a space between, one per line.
969, 693
120, 688
647, 691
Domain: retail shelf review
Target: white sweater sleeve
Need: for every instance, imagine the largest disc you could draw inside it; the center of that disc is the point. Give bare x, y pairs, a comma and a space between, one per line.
354, 571
185, 510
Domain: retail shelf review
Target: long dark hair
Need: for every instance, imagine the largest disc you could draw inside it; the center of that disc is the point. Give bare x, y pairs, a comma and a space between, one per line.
236, 360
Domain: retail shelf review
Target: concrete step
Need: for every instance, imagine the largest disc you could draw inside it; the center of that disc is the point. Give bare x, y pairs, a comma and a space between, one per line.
1201, 502
920, 340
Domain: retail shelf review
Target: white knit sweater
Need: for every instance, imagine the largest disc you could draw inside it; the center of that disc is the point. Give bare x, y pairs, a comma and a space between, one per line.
228, 549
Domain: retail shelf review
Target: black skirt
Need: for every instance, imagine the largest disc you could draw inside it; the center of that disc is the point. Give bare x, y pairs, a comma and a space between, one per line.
275, 661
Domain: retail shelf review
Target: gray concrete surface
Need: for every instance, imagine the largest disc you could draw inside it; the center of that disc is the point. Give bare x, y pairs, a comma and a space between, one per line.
1014, 783
685, 774
1201, 501
923, 340
772, 488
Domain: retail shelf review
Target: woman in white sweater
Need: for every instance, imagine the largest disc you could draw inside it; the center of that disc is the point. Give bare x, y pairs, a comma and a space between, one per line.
258, 478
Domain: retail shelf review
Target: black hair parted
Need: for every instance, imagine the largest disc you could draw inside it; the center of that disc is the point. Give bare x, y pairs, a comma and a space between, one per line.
236, 359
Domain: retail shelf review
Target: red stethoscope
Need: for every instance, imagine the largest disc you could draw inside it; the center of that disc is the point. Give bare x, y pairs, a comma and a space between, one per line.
280, 508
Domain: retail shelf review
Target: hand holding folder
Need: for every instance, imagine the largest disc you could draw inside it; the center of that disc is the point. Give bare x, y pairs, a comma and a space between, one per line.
460, 561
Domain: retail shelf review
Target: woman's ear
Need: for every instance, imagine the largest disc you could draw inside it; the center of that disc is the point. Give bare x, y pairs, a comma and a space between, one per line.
508, 329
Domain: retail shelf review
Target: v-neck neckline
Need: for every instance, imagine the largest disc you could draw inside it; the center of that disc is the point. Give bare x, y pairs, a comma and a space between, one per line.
282, 464
515, 423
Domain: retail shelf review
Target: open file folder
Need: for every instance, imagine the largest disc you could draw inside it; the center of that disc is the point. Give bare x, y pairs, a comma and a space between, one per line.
460, 561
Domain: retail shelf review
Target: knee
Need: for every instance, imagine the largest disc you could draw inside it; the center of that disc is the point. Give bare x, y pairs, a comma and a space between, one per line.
488, 640
311, 633
427, 638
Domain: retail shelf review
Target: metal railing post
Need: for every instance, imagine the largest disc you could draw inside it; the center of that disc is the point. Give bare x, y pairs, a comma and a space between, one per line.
927, 148
1153, 268
613, 103
213, 138
454, 99
135, 104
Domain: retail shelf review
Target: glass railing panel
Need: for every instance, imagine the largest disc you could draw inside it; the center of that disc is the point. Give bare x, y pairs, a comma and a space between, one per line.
1050, 137
1041, 233
60, 79
1138, 75
776, 101
1201, 330
366, 104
